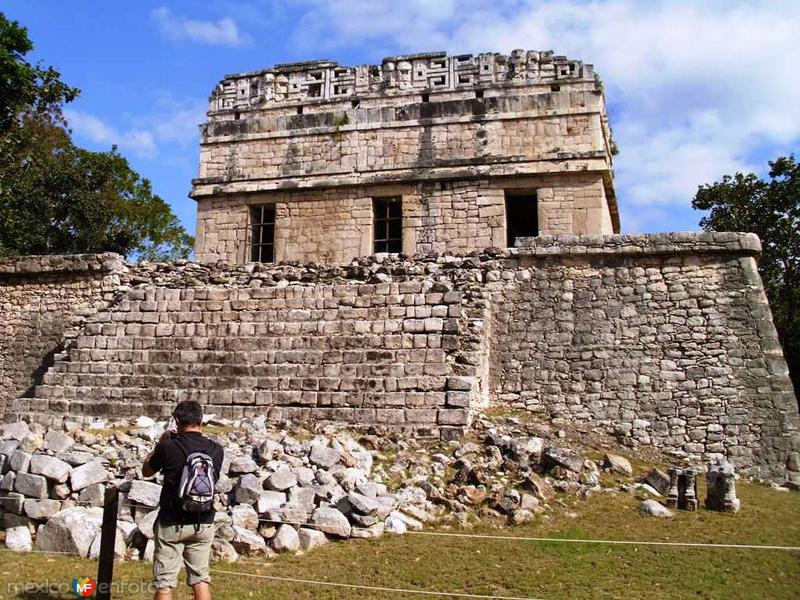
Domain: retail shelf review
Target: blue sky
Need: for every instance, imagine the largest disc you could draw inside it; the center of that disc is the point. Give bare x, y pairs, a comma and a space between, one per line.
695, 89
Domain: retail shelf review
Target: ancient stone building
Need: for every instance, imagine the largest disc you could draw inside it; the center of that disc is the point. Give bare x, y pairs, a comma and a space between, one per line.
495, 173
316, 161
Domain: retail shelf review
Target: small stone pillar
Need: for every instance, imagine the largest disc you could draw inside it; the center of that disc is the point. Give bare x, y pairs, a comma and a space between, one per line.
673, 493
682, 492
689, 490
721, 480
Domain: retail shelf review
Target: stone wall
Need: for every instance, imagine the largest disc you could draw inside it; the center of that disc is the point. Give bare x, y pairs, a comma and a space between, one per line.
665, 340
384, 353
669, 342
41, 298
335, 225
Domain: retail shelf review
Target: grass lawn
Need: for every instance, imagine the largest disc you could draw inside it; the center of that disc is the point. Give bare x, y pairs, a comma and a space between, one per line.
517, 568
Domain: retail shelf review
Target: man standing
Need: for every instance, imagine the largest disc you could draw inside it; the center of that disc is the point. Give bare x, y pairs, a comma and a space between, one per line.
184, 529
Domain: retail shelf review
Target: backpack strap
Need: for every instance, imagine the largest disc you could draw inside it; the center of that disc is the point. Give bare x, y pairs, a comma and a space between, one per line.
181, 447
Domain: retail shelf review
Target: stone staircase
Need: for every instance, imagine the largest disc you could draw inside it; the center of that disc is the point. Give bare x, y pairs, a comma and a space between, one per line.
391, 354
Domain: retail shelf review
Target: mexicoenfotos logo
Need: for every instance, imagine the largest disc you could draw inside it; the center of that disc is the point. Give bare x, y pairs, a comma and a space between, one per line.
83, 587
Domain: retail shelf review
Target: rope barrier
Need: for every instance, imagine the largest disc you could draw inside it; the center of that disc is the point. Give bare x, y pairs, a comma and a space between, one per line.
577, 541
506, 538
617, 542
372, 588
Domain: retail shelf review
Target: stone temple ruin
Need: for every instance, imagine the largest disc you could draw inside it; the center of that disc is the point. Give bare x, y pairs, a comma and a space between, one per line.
405, 245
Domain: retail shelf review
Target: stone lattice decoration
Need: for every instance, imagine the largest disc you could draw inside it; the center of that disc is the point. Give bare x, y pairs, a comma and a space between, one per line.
322, 80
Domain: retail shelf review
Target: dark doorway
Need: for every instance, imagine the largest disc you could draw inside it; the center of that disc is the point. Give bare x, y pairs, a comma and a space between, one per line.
522, 216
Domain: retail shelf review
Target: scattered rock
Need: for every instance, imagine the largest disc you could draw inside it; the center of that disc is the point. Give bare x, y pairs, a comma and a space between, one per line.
248, 490
362, 504
281, 480
244, 517
324, 456
658, 480
19, 461
51, 467
618, 464
241, 465
72, 530
286, 539
41, 509
656, 509
145, 493
147, 523
332, 521
248, 542
269, 500
30, 485
561, 457
311, 538
223, 550
19, 539
57, 441
86, 475
15, 431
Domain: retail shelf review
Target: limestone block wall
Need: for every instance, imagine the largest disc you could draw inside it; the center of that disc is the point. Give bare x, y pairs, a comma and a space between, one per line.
335, 225
350, 148
667, 340
41, 298
365, 354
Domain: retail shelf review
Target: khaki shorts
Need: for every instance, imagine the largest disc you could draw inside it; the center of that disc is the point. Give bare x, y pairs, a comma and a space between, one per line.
181, 544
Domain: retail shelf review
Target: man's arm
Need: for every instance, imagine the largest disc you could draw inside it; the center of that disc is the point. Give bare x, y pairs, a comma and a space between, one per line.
155, 460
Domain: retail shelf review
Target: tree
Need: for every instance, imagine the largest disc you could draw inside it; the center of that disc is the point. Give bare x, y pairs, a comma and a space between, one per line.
57, 198
770, 209
23, 85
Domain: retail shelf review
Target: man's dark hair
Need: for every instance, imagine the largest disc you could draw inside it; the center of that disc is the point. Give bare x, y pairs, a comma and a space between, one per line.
188, 412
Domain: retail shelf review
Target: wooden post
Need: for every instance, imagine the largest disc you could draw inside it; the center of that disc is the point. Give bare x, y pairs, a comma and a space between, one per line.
108, 538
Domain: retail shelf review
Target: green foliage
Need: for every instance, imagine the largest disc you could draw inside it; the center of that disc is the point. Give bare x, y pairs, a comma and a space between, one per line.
23, 85
770, 209
57, 198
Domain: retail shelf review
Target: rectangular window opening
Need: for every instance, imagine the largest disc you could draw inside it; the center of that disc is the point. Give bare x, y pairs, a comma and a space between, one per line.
388, 224
522, 216
262, 233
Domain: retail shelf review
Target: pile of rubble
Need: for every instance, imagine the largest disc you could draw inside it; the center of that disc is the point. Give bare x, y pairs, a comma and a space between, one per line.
287, 489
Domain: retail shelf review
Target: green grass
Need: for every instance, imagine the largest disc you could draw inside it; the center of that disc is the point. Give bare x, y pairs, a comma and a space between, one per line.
519, 568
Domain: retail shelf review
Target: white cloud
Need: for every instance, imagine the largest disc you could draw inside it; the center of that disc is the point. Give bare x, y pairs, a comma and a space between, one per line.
139, 141
696, 89
171, 123
223, 32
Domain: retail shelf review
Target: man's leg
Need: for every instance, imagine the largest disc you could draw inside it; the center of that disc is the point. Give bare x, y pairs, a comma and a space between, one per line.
166, 560
201, 591
197, 558
163, 594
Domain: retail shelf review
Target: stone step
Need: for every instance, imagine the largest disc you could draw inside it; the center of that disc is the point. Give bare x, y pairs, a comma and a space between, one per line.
144, 401
82, 359
363, 417
392, 340
204, 313
299, 377
120, 371
361, 292
273, 328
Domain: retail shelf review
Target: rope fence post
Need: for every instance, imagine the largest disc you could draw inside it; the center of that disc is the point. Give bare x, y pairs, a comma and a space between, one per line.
108, 538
